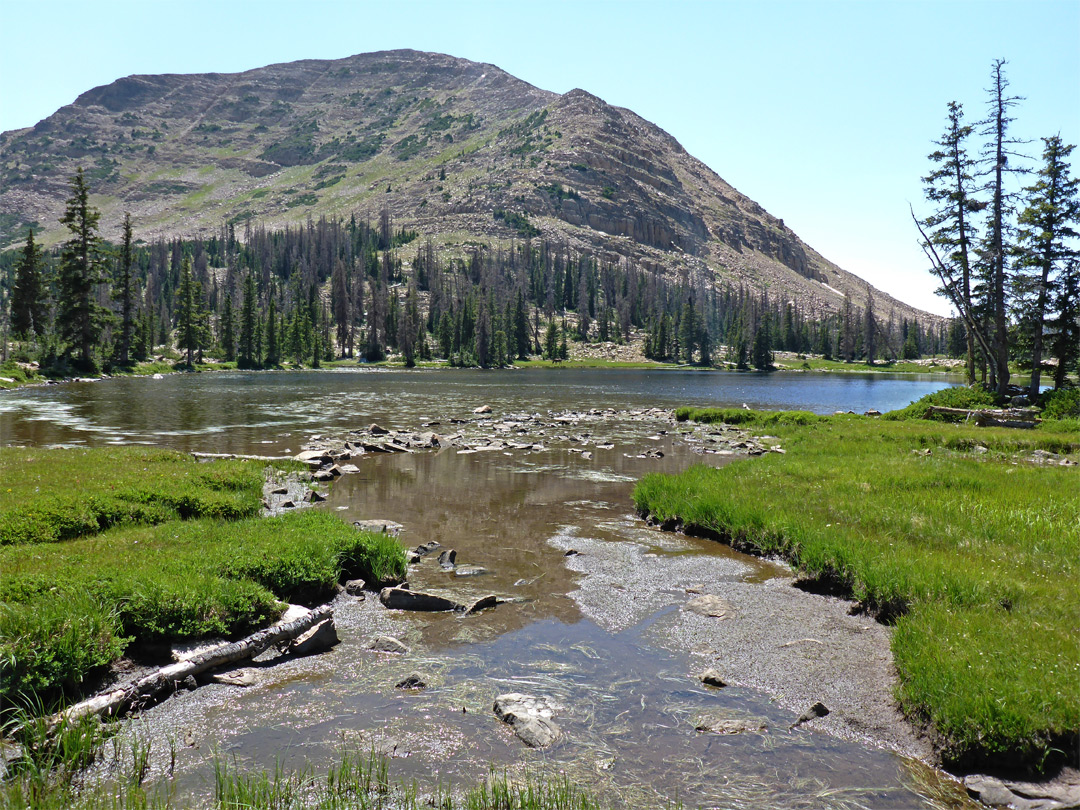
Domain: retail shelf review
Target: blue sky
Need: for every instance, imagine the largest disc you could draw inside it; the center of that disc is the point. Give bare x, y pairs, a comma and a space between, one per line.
822, 111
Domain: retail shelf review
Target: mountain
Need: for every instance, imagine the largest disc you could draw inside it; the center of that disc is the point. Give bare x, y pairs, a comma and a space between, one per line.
456, 150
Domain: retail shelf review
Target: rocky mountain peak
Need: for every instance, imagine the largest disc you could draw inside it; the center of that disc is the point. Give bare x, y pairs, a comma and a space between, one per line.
439, 142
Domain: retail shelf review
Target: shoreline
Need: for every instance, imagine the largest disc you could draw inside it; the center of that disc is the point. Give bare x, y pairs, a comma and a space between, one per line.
154, 370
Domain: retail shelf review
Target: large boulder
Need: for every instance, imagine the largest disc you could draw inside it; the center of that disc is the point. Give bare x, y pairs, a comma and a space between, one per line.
318, 639
403, 599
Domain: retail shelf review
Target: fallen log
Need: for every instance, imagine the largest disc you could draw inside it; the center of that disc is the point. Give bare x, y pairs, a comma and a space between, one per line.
197, 454
166, 679
1008, 417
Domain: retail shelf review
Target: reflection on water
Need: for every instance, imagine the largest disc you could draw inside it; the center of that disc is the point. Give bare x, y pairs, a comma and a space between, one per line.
239, 412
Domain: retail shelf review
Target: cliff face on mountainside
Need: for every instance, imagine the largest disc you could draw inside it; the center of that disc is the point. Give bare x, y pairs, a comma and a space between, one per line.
442, 143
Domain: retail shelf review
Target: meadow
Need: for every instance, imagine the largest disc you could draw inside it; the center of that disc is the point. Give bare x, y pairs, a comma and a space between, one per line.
965, 539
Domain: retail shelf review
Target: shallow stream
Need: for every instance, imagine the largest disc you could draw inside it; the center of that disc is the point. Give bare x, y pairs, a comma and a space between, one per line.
597, 621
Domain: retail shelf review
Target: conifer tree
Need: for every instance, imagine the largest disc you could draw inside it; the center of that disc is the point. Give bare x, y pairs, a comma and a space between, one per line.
227, 329
762, 354
521, 328
79, 316
995, 157
29, 301
949, 243
1066, 345
688, 332
125, 294
1045, 243
249, 318
870, 328
272, 357
188, 316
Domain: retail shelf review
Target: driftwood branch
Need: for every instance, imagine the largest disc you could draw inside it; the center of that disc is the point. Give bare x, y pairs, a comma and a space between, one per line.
197, 454
1009, 417
165, 679
948, 283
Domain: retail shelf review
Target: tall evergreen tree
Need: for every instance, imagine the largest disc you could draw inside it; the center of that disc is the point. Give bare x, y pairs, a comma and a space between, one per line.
1045, 243
227, 329
273, 352
125, 294
762, 354
1066, 325
249, 319
79, 316
949, 244
522, 339
188, 331
995, 158
870, 328
688, 331
29, 301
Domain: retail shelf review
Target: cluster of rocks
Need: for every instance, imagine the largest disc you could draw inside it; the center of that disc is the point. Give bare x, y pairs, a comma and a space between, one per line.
482, 431
1046, 457
284, 491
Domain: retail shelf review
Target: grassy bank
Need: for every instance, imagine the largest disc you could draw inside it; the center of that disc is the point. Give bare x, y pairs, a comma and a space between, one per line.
59, 494
69, 609
105, 548
952, 531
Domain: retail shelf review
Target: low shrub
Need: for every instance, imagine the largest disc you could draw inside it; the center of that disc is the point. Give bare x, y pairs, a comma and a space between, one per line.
1064, 403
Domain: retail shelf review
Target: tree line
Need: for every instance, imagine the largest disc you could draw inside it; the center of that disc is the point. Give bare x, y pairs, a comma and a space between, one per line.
1006, 259
337, 289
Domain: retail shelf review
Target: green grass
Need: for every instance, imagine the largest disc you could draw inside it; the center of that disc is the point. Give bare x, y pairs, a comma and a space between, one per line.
59, 494
974, 555
12, 375
597, 363
357, 781
68, 609
892, 367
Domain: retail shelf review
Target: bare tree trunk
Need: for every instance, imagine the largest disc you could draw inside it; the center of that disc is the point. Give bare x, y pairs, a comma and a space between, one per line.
165, 679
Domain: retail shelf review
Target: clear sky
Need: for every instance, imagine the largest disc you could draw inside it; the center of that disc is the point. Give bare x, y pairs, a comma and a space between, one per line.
821, 110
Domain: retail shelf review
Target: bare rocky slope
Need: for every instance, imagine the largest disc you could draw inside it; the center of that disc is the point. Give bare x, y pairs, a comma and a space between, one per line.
442, 143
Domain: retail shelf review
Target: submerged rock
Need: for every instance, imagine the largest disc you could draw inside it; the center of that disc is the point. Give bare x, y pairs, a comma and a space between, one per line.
725, 723
379, 526
710, 605
529, 717
470, 571
388, 644
236, 677
414, 681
